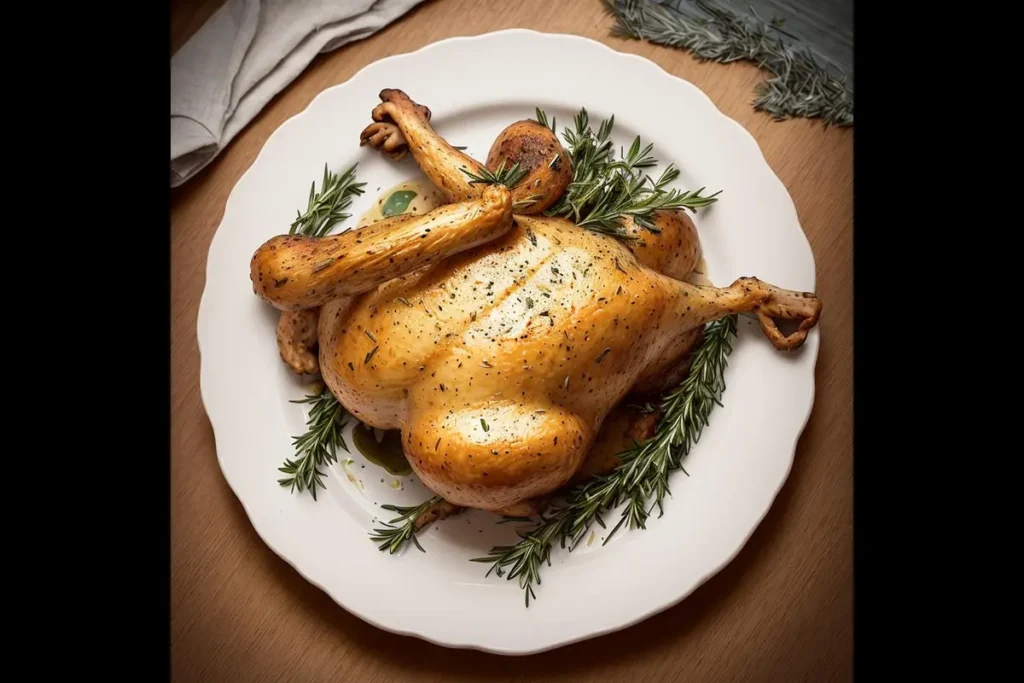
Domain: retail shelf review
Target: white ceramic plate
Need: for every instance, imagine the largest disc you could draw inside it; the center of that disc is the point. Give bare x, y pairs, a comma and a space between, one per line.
475, 87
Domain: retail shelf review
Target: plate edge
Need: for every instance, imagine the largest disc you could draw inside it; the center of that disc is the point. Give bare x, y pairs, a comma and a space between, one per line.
812, 344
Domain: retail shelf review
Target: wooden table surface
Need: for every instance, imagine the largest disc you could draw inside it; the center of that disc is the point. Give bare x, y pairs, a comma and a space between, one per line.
781, 611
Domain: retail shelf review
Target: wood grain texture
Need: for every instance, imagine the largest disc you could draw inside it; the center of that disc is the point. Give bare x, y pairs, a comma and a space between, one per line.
781, 611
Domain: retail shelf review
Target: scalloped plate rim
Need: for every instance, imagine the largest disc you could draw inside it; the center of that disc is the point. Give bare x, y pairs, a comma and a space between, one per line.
811, 347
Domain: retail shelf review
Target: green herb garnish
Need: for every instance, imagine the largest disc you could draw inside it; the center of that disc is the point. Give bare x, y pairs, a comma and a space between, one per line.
326, 208
603, 191
397, 203
395, 535
509, 177
319, 445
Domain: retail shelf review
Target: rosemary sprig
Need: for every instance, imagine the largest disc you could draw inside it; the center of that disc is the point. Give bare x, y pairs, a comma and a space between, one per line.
401, 529
542, 119
326, 208
799, 86
318, 446
526, 557
643, 471
509, 177
604, 191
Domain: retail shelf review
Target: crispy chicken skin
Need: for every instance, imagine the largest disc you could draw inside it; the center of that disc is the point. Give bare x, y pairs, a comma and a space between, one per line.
502, 369
297, 340
538, 151
673, 250
501, 354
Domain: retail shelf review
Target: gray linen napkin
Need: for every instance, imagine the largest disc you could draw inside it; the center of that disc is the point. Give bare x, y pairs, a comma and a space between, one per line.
246, 53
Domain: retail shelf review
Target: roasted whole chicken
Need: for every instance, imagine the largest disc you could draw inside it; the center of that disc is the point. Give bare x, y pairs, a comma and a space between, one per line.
499, 340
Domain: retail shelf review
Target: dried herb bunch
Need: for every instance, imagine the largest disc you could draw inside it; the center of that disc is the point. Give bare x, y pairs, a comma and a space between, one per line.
799, 87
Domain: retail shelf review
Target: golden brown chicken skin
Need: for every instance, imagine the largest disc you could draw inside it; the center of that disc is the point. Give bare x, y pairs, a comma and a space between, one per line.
499, 364
294, 272
537, 152
500, 360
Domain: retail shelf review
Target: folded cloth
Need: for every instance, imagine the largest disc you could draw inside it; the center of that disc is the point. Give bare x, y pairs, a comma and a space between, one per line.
246, 53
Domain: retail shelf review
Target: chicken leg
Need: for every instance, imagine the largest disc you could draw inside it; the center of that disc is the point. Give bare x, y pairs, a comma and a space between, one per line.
401, 124
294, 272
